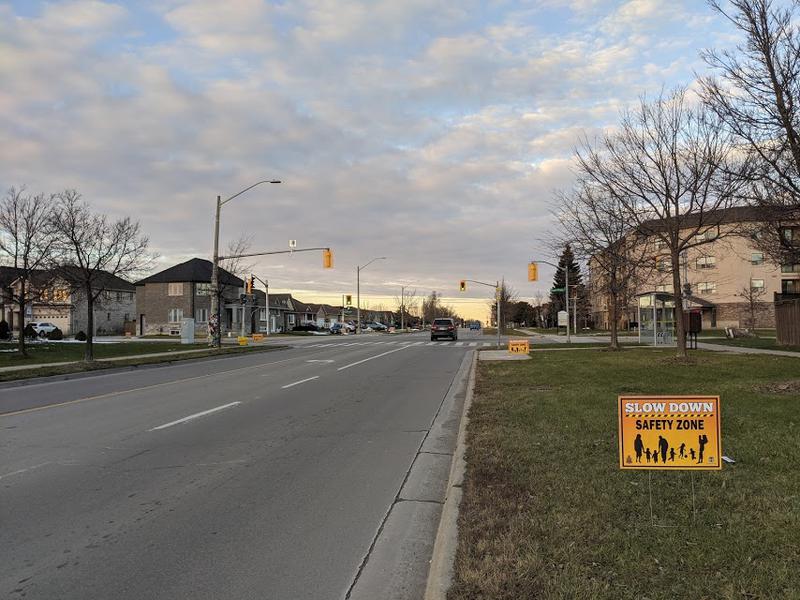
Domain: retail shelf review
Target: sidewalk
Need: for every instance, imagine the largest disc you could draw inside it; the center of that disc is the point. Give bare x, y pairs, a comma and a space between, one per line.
578, 339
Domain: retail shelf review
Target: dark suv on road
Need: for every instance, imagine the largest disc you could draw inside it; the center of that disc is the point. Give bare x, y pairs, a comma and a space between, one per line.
444, 328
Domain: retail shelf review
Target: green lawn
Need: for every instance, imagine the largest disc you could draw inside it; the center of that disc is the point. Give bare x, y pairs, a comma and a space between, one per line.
63, 352
547, 513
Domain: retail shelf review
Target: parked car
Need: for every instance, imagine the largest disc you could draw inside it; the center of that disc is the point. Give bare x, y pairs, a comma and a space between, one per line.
378, 326
339, 328
444, 328
42, 329
474, 326
306, 327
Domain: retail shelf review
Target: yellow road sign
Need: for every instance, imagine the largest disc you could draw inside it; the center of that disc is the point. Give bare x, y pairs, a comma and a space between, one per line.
669, 432
519, 346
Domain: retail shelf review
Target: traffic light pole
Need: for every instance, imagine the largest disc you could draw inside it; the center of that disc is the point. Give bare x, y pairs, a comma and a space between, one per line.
566, 294
496, 287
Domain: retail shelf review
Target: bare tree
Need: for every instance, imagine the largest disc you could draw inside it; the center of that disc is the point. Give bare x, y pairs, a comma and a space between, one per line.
28, 242
756, 95
508, 298
598, 227
92, 247
674, 172
752, 298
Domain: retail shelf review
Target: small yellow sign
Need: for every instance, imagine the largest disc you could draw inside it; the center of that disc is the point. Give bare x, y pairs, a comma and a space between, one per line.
669, 432
242, 340
257, 337
519, 346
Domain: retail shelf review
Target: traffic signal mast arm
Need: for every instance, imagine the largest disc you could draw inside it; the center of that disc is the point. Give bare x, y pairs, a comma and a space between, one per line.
496, 287
273, 252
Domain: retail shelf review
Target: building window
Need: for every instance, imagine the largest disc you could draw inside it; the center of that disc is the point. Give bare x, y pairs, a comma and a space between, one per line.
108, 316
706, 287
175, 289
706, 236
291, 320
201, 315
262, 314
662, 265
756, 284
127, 317
757, 258
661, 288
203, 289
788, 233
790, 268
660, 244
790, 286
707, 262
175, 315
106, 295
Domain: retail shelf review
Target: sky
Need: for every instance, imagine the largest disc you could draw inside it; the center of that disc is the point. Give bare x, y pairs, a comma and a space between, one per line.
431, 132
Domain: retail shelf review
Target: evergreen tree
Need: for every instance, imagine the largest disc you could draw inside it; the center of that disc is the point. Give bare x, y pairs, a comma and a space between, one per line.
558, 299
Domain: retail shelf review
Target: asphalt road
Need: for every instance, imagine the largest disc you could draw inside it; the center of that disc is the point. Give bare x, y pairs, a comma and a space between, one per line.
313, 472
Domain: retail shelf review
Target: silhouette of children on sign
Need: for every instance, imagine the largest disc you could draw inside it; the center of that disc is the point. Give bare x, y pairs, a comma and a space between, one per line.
703, 440
638, 445
672, 454
691, 451
655, 456
682, 452
647, 454
663, 447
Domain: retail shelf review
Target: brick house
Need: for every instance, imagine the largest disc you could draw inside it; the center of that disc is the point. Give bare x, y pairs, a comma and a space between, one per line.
53, 301
164, 299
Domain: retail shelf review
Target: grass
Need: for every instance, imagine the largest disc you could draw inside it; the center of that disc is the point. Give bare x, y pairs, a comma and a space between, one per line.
81, 367
46, 352
547, 513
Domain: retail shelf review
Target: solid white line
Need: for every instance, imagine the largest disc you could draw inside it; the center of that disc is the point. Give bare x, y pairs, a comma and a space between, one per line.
283, 387
371, 358
418, 343
194, 416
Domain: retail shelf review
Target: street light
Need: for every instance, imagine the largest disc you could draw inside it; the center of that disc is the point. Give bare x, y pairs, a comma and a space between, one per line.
566, 292
216, 339
358, 290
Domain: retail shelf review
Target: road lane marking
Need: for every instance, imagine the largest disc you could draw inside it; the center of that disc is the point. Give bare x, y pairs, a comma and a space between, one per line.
459, 343
321, 360
431, 344
20, 471
283, 387
444, 343
371, 358
132, 390
473, 344
195, 416
486, 344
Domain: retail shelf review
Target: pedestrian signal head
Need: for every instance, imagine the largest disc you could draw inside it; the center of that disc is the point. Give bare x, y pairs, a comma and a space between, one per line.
462, 286
327, 259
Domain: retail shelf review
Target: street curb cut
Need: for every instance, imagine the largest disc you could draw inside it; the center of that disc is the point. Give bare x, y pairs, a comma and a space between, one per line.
440, 575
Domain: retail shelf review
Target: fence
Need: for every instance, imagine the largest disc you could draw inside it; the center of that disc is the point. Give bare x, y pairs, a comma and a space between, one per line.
787, 320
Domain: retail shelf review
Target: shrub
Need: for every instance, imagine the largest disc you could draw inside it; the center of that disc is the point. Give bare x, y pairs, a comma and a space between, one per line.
5, 332
80, 336
29, 332
56, 334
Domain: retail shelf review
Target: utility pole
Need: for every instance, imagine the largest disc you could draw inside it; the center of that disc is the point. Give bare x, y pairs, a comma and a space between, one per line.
497, 298
358, 291
566, 298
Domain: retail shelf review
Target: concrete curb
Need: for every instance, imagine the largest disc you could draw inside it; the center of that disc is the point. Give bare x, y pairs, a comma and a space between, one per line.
440, 575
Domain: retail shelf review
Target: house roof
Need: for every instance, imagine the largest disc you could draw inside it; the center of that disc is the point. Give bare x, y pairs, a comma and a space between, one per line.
280, 301
711, 218
8, 275
194, 270
103, 279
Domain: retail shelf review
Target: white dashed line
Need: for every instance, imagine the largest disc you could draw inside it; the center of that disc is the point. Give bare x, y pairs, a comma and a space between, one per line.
283, 387
194, 416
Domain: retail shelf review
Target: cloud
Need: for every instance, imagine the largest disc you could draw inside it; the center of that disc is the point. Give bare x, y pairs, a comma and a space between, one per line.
430, 132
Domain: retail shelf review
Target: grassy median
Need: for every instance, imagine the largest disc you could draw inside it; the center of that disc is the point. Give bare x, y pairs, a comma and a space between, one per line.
548, 514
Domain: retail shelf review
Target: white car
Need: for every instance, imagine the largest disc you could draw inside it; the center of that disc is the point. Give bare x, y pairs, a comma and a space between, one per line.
43, 328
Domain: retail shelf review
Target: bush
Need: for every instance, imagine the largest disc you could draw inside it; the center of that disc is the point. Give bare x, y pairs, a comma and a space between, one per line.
56, 334
29, 332
80, 336
5, 332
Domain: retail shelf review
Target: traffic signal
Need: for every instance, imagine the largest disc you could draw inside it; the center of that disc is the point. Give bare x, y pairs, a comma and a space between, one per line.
248, 284
533, 271
349, 299
327, 259
462, 286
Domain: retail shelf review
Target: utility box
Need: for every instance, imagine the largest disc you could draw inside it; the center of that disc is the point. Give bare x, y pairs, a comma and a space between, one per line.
693, 321
187, 331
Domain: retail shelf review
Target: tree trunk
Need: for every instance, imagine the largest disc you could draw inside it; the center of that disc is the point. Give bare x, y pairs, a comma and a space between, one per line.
678, 294
89, 354
22, 350
612, 320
